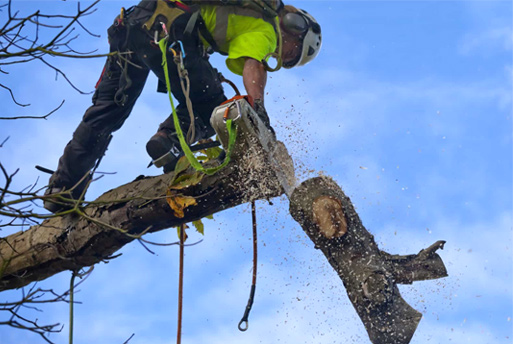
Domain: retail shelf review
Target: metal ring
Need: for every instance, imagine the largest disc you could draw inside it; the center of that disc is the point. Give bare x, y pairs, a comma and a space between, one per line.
241, 323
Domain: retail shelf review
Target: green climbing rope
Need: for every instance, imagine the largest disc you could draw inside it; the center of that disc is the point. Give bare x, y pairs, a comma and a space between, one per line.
232, 130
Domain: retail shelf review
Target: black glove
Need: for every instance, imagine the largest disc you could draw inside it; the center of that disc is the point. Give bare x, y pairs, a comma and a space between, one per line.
258, 105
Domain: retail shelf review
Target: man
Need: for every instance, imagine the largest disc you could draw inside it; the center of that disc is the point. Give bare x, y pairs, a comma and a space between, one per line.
246, 35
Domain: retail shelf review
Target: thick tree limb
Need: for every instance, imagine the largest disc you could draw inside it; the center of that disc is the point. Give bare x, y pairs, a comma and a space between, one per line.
369, 275
72, 242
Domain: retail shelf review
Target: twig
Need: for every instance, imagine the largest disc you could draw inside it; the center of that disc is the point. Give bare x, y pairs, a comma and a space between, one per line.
12, 96
126, 341
4, 141
35, 117
59, 72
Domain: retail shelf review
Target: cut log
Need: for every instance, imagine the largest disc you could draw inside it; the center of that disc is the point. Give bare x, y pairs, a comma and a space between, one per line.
328, 217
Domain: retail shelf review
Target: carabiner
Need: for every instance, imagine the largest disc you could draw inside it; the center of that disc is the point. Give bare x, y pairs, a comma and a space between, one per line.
181, 48
156, 37
227, 111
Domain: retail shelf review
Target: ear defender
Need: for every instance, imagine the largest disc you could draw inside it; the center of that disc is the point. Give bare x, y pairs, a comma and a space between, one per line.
295, 23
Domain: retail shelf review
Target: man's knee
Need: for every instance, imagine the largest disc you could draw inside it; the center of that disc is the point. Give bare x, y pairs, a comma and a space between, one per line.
91, 139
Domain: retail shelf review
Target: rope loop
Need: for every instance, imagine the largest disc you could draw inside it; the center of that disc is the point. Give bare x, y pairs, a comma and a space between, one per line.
279, 62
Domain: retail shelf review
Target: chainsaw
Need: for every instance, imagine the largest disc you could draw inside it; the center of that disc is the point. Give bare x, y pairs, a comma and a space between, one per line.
251, 132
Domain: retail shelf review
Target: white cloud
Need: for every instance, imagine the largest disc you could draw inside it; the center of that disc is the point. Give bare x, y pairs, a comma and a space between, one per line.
367, 105
487, 42
463, 331
477, 257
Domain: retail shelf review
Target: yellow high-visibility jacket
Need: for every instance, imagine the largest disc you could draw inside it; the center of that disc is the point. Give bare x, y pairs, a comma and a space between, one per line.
240, 33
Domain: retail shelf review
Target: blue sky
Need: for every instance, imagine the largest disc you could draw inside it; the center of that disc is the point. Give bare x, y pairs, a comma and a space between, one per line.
408, 107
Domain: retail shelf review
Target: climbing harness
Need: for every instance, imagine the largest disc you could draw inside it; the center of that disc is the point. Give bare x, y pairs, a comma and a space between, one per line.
243, 324
164, 12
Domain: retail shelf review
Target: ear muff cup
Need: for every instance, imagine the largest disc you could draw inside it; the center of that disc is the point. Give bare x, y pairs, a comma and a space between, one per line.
295, 23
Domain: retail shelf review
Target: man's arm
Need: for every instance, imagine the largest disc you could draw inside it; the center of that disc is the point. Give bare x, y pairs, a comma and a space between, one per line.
254, 77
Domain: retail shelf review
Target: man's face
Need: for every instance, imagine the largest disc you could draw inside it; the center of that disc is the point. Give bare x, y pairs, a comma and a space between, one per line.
292, 46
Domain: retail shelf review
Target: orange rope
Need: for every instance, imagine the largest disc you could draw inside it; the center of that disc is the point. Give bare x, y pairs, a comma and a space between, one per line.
180, 285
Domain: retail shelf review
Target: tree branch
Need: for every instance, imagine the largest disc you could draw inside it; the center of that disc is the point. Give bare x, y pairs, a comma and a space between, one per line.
35, 117
71, 242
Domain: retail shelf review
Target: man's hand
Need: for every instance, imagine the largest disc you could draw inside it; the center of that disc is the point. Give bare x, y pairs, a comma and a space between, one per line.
258, 105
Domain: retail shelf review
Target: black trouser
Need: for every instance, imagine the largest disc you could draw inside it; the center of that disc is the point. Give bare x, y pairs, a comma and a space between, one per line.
120, 86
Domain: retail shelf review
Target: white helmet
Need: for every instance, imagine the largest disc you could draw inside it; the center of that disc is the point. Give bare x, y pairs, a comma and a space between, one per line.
302, 23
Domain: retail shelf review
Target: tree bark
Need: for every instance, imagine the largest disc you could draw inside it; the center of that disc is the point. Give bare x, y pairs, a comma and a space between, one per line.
369, 275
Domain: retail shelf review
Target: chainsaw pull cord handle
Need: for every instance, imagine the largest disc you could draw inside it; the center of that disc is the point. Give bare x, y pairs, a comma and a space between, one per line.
243, 324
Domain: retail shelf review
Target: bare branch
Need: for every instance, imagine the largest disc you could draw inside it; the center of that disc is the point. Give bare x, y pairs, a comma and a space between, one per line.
12, 96
29, 301
25, 38
86, 30
35, 117
58, 71
126, 341
4, 141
